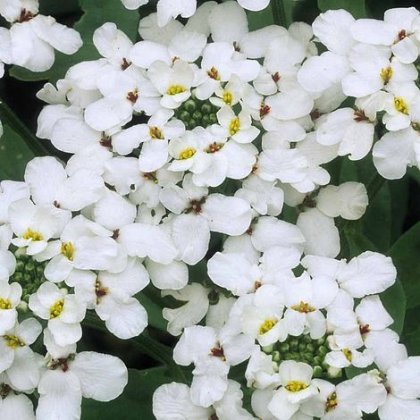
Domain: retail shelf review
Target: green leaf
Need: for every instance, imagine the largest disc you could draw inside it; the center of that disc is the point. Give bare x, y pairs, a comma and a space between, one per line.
405, 254
14, 154
411, 334
96, 13
154, 312
395, 302
356, 7
136, 400
377, 220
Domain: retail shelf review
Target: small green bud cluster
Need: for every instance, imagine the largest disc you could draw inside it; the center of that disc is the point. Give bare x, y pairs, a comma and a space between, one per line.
195, 113
302, 349
29, 274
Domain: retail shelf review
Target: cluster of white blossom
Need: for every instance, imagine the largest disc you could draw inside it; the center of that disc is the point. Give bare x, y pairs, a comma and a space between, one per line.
184, 148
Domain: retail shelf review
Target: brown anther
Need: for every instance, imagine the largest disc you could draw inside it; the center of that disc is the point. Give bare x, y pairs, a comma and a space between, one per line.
4, 390
213, 74
214, 147
264, 110
359, 115
196, 206
213, 417
174, 59
315, 114
56, 204
150, 176
257, 285
236, 47
133, 96
402, 34
106, 142
364, 329
25, 16
115, 234
276, 77
415, 126
249, 230
218, 352
254, 169
125, 64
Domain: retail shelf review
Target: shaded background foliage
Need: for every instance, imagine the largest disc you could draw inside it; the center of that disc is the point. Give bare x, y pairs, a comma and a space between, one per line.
391, 224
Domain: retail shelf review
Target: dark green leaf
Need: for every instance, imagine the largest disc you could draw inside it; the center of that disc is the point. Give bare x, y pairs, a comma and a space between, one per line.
136, 400
406, 254
411, 334
96, 13
14, 154
154, 312
394, 301
356, 7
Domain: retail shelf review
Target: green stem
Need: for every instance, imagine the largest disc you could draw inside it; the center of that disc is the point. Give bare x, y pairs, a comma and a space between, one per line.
7, 116
279, 13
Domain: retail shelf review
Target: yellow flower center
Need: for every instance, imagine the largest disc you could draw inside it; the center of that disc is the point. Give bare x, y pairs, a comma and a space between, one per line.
32, 235
267, 325
303, 307
13, 341
175, 89
67, 249
56, 308
234, 126
348, 354
187, 153
296, 386
401, 105
5, 304
227, 97
331, 402
386, 74
155, 133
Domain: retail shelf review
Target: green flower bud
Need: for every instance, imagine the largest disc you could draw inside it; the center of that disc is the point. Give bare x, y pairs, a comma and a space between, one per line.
190, 105
268, 349
318, 372
206, 108
276, 356
284, 347
197, 115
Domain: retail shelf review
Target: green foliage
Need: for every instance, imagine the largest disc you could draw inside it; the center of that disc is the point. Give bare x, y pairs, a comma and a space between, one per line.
14, 154
135, 402
356, 7
96, 13
405, 254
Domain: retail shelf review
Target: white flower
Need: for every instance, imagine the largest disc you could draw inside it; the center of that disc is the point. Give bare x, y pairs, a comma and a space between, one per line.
297, 387
172, 82
123, 93
367, 274
83, 245
10, 295
321, 235
349, 200
10, 191
49, 184
197, 213
111, 295
34, 225
12, 404
68, 379
63, 311
34, 37
191, 312
396, 151
238, 127
212, 353
173, 401
168, 9
396, 31
347, 400
351, 129
20, 363
403, 390
304, 297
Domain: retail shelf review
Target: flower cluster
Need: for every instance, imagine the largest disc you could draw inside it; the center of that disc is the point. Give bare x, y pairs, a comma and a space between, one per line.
184, 148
